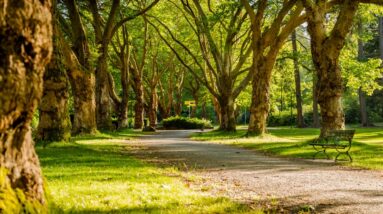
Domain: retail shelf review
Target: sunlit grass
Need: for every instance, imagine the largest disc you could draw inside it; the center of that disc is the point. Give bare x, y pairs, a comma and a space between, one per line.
97, 175
367, 147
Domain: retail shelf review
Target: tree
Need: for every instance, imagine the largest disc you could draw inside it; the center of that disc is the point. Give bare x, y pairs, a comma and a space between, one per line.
329, 81
297, 78
224, 53
26, 47
104, 33
79, 70
268, 37
54, 122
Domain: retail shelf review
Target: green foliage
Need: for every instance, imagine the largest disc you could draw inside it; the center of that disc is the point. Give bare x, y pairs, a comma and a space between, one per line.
186, 123
97, 174
14, 200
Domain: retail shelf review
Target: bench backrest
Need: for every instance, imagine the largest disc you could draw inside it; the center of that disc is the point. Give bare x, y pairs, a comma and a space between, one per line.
345, 135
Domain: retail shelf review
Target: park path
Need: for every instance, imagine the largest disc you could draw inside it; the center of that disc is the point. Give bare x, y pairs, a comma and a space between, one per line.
255, 178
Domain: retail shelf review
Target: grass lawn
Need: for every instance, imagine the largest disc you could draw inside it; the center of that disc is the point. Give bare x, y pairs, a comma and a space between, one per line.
96, 174
366, 151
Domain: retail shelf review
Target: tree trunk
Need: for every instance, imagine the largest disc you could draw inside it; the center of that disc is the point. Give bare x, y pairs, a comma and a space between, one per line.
103, 102
227, 122
260, 102
152, 110
298, 94
363, 109
203, 110
54, 121
316, 123
80, 73
362, 96
194, 108
25, 49
381, 37
139, 105
325, 50
123, 108
217, 109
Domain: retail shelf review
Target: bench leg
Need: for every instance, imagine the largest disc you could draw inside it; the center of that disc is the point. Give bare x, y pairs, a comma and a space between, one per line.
321, 150
345, 153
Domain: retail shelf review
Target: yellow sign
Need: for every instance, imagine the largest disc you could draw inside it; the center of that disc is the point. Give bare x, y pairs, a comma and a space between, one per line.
190, 103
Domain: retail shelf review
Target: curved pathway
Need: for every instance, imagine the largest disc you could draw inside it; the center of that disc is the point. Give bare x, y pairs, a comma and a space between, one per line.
260, 180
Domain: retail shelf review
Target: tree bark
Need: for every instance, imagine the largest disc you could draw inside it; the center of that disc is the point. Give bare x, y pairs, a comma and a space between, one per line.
298, 94
139, 105
228, 122
329, 86
80, 73
260, 101
103, 101
123, 108
25, 49
152, 110
54, 121
316, 122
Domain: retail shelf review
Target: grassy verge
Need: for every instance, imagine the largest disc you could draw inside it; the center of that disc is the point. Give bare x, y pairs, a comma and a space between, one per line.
96, 174
367, 147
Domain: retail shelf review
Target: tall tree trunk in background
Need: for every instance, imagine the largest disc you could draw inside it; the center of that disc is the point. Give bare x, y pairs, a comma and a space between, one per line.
362, 95
123, 107
80, 74
25, 49
329, 86
54, 121
203, 110
316, 123
228, 122
139, 105
152, 109
381, 37
217, 109
297, 77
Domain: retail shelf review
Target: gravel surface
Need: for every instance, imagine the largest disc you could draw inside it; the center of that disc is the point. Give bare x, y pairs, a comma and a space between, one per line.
283, 185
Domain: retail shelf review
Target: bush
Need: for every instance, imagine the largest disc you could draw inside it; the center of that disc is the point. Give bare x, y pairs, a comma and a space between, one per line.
185, 123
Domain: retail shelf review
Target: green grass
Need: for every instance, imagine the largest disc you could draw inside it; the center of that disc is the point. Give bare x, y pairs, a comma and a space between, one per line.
367, 147
96, 174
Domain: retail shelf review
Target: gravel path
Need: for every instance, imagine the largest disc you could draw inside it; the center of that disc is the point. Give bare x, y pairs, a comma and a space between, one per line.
282, 183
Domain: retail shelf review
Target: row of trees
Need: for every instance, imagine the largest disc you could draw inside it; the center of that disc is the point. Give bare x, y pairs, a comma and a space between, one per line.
105, 50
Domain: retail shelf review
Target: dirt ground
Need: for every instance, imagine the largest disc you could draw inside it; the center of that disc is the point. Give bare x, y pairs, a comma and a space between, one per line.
283, 185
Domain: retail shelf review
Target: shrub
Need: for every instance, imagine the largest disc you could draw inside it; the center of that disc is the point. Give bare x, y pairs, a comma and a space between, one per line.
185, 123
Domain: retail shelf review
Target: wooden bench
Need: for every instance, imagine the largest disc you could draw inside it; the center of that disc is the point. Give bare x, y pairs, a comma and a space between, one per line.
340, 140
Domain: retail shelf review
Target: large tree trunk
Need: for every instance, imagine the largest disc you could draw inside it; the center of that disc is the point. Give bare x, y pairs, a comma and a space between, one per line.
54, 121
80, 73
25, 49
228, 122
139, 105
260, 102
325, 49
203, 110
298, 94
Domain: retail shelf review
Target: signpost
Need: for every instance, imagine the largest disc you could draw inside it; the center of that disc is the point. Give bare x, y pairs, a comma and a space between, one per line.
190, 103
